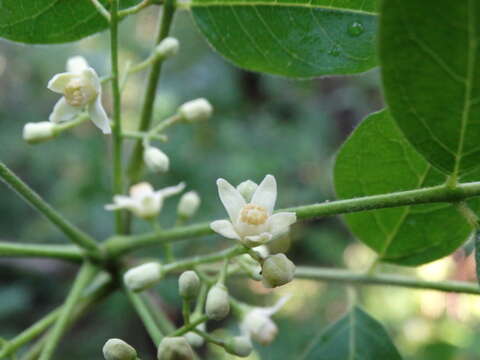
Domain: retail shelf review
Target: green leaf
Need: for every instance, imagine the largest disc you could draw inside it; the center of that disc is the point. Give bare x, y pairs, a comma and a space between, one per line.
429, 52
51, 21
293, 38
377, 159
356, 336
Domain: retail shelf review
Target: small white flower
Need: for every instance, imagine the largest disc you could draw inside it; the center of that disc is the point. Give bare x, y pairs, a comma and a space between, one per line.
252, 223
144, 201
81, 89
258, 325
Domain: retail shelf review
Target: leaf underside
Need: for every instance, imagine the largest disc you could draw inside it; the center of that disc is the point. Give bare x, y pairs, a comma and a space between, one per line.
294, 38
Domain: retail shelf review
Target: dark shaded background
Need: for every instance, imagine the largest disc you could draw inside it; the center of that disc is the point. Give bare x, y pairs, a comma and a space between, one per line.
262, 124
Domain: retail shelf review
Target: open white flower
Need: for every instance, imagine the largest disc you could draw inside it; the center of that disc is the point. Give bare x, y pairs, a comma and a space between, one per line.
81, 89
258, 325
144, 201
252, 223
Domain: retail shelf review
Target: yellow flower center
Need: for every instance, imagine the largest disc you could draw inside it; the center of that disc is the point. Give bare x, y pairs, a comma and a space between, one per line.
253, 214
78, 92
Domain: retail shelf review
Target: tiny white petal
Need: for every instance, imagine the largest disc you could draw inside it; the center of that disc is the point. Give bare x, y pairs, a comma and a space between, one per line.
280, 222
76, 64
62, 111
224, 228
269, 311
171, 190
266, 193
257, 240
91, 75
99, 116
120, 202
141, 190
60, 81
231, 198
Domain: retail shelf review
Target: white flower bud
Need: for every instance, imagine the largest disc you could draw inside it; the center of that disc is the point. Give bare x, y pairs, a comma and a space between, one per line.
189, 284
193, 338
196, 110
247, 189
156, 160
239, 346
168, 47
277, 270
34, 133
260, 327
116, 349
188, 205
142, 277
174, 348
218, 303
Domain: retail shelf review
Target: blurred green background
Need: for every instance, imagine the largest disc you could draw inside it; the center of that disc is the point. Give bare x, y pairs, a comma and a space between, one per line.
262, 124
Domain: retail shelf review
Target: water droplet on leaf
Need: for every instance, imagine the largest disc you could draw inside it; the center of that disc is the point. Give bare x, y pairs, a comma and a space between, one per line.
355, 29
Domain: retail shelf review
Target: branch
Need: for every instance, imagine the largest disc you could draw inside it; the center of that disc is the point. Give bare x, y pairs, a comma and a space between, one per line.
64, 252
75, 234
119, 245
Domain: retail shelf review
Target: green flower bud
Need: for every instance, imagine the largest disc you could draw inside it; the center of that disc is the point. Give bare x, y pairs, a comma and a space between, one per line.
277, 270
174, 348
188, 205
189, 284
196, 110
247, 189
218, 302
239, 346
116, 349
142, 277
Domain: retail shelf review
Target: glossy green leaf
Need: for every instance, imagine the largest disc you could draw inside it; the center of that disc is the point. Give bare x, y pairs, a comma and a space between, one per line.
51, 21
377, 159
294, 38
429, 52
356, 336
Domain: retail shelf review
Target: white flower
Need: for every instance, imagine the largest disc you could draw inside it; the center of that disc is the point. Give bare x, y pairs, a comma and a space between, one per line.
257, 324
81, 89
252, 223
143, 201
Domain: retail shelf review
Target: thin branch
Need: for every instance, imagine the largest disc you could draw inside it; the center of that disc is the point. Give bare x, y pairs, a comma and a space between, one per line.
76, 235
135, 9
64, 252
104, 12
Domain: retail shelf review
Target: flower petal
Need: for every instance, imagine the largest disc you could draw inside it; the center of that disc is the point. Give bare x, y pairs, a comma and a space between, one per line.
224, 228
140, 190
76, 64
120, 202
91, 75
257, 240
280, 222
99, 116
171, 190
60, 81
62, 111
231, 199
266, 193
269, 311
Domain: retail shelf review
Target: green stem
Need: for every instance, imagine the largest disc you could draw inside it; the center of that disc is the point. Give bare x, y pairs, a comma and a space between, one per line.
136, 163
188, 327
437, 194
210, 338
64, 252
117, 120
76, 235
59, 128
146, 316
186, 311
135, 9
137, 135
83, 278
158, 314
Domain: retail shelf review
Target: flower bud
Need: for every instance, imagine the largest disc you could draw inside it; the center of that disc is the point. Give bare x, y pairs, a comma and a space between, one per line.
174, 348
116, 349
196, 110
189, 284
239, 346
247, 189
34, 133
155, 159
277, 270
193, 338
188, 205
142, 277
218, 303
260, 327
168, 47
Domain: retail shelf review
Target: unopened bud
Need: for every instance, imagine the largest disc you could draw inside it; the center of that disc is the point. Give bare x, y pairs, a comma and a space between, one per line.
34, 133
189, 284
277, 270
239, 346
218, 303
156, 160
174, 348
260, 327
188, 205
168, 47
247, 189
116, 349
196, 110
142, 277
193, 338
